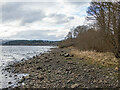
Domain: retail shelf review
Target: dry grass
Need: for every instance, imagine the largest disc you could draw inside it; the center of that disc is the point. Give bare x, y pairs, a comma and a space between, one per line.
104, 59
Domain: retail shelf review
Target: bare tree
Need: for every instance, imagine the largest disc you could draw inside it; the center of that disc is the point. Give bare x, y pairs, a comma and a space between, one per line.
107, 17
79, 29
69, 35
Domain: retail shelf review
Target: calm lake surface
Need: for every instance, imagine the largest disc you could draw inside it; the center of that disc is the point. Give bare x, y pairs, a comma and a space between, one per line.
9, 54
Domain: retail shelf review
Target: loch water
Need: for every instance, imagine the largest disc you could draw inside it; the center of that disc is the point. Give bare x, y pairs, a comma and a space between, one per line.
11, 54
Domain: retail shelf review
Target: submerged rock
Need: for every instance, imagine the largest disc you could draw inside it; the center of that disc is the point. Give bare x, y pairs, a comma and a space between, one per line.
10, 82
22, 80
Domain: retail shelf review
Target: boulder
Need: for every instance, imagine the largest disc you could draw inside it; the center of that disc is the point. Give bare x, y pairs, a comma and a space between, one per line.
66, 55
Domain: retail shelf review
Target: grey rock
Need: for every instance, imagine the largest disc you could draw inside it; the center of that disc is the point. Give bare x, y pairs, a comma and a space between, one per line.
9, 82
40, 77
5, 74
45, 57
68, 58
15, 75
27, 77
22, 80
69, 81
10, 76
47, 60
49, 71
50, 58
58, 61
67, 69
38, 68
72, 63
33, 56
58, 72
66, 55
107, 77
43, 70
75, 85
71, 55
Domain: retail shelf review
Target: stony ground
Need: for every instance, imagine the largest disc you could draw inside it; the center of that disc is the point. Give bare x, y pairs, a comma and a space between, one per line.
59, 69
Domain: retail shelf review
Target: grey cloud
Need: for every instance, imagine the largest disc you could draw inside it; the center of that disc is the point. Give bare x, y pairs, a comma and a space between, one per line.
61, 18
36, 34
11, 11
57, 15
14, 11
71, 18
78, 4
30, 17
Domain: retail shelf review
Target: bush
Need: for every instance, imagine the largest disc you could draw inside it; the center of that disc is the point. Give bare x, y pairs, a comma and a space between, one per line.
66, 43
90, 39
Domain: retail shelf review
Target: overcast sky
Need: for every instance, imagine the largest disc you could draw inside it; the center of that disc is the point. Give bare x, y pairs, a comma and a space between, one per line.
40, 20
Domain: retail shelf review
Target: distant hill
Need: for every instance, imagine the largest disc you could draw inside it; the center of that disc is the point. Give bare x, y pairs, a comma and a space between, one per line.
3, 41
31, 42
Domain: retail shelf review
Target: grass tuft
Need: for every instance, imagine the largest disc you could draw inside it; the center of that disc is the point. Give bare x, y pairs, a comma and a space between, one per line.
105, 59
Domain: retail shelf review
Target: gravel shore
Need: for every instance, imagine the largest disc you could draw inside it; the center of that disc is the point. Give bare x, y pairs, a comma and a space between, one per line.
59, 69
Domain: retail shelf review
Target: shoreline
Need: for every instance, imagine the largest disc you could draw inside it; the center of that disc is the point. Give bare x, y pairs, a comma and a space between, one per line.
59, 69
28, 45
10, 79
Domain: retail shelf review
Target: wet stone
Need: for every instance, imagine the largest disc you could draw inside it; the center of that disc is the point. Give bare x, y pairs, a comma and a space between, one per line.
9, 82
33, 56
23, 79
10, 76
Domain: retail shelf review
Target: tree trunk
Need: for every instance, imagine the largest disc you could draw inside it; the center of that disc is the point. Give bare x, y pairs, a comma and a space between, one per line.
118, 49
